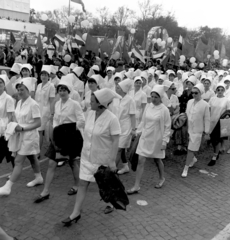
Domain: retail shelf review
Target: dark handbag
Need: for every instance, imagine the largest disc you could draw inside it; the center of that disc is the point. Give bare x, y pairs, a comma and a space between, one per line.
133, 157
111, 188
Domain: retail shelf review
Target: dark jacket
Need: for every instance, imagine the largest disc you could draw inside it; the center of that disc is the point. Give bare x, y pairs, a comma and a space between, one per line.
111, 188
68, 140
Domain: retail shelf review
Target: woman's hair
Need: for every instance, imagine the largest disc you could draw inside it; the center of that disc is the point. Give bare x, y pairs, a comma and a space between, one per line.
12, 74
156, 94
26, 69
116, 78
92, 80
220, 87
100, 107
197, 89
20, 85
44, 72
96, 72
63, 87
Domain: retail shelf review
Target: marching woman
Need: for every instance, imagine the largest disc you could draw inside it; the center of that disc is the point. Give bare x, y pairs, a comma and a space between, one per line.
179, 83
14, 75
140, 99
155, 132
218, 105
126, 116
198, 123
181, 135
145, 86
93, 86
118, 77
27, 115
172, 100
44, 96
78, 84
6, 116
53, 75
151, 80
109, 79
26, 72
208, 93
101, 138
68, 119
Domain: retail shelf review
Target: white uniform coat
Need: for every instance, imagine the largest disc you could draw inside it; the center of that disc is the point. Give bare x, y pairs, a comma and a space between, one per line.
198, 122
55, 81
179, 86
155, 131
125, 108
42, 96
139, 98
152, 84
218, 107
69, 112
109, 83
6, 106
86, 103
97, 145
147, 90
208, 95
78, 84
25, 114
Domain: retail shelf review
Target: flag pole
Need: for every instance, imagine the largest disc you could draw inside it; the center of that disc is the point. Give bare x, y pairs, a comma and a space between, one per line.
68, 21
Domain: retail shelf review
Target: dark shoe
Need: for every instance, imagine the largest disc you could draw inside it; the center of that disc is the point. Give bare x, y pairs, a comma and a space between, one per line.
212, 163
40, 198
108, 210
68, 221
15, 238
72, 191
132, 191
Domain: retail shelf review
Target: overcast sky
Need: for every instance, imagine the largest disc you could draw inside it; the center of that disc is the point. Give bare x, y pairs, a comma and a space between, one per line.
189, 13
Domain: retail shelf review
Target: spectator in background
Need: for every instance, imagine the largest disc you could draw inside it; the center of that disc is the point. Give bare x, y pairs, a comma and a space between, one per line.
18, 58
2, 57
10, 59
38, 66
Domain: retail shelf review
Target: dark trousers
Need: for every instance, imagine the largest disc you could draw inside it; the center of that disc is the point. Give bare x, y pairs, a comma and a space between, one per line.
4, 151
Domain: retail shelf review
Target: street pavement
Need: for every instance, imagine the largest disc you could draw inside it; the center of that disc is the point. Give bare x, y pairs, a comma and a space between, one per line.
195, 208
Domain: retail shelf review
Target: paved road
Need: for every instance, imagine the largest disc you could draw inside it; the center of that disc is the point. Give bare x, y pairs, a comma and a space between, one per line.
195, 208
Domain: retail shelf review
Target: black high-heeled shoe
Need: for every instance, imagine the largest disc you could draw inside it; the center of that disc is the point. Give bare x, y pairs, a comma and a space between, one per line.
68, 221
40, 198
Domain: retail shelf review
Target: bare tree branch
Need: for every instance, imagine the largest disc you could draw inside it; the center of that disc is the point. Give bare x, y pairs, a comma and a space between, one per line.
103, 15
123, 14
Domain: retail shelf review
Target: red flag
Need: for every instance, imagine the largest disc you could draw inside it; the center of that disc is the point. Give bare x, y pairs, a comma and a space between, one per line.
120, 40
144, 42
92, 44
39, 45
78, 38
12, 38
106, 47
201, 50
125, 54
58, 41
188, 49
80, 2
222, 51
17, 46
137, 53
